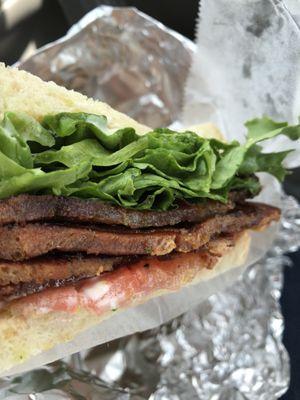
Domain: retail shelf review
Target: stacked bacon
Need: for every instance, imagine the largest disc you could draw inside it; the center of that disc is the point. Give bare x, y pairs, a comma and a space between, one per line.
51, 241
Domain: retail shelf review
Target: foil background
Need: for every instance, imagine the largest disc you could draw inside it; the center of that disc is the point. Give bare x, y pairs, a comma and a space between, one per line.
123, 57
230, 346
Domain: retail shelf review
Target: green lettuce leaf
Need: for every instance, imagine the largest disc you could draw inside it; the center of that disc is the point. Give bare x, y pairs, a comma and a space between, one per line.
37, 181
14, 145
80, 126
77, 154
248, 159
257, 161
260, 129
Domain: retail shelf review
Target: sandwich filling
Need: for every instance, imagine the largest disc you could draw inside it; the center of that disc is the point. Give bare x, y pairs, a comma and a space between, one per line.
80, 202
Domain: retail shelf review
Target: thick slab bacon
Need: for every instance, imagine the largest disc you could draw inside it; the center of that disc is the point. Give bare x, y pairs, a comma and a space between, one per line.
50, 242
32, 240
44, 274
29, 208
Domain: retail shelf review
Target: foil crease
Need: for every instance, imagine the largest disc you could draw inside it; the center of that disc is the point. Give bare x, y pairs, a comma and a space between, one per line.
229, 347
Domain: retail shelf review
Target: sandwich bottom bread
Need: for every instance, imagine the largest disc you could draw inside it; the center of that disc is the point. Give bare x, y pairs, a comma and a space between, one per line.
99, 213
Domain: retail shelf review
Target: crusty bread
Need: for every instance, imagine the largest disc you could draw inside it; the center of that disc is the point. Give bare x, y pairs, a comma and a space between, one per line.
25, 336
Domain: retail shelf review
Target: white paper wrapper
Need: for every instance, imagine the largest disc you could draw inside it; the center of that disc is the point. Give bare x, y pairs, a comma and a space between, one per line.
247, 65
217, 90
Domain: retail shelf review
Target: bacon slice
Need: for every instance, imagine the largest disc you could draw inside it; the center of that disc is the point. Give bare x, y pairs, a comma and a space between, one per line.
29, 208
18, 279
128, 274
32, 240
56, 268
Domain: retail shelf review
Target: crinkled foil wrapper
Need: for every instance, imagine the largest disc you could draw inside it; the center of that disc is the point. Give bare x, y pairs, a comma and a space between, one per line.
229, 347
123, 57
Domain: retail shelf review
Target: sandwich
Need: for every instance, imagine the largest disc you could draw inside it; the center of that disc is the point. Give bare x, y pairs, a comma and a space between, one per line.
99, 213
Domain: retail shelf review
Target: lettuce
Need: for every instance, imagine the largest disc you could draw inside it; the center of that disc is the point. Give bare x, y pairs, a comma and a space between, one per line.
76, 154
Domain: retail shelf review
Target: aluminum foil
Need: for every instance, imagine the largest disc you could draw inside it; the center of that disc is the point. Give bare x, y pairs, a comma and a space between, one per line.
118, 55
230, 346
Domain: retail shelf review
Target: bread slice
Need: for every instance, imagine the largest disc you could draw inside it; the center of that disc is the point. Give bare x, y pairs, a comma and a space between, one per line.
26, 330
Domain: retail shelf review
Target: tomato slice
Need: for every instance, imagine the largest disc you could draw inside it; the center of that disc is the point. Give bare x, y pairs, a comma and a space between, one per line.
121, 287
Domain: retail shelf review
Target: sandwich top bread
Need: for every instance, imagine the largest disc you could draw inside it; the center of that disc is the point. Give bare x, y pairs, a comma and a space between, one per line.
99, 213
